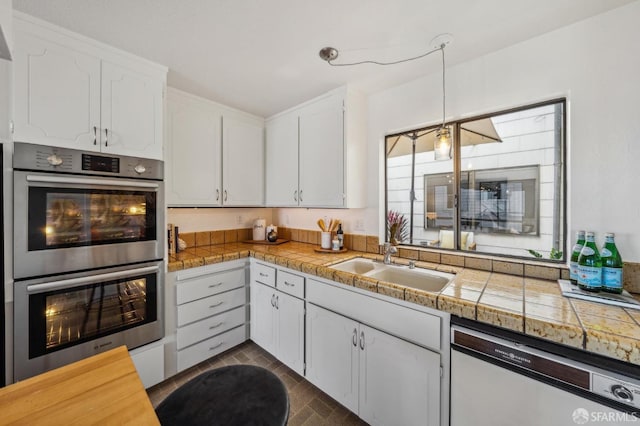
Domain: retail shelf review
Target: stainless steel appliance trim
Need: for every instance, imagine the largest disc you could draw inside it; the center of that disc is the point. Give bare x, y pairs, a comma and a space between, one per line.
90, 181
74, 282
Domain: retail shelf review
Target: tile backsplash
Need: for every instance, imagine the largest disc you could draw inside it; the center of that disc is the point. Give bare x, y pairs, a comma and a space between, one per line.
371, 244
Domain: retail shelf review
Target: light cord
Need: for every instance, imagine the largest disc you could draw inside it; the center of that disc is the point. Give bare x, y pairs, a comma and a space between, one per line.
388, 63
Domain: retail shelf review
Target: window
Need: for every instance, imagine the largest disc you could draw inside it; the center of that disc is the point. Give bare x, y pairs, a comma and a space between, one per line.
501, 192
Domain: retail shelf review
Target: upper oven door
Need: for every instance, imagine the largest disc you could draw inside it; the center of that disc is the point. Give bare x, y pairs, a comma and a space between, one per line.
68, 223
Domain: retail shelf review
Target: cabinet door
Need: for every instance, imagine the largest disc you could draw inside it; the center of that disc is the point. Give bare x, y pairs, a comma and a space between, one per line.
242, 162
332, 355
322, 154
193, 152
263, 316
131, 113
56, 94
281, 161
290, 332
399, 381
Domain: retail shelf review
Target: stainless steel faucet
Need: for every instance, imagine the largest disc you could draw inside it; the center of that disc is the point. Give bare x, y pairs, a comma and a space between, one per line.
388, 251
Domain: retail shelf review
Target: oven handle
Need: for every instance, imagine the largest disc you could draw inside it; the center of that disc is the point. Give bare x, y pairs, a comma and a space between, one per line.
94, 182
74, 282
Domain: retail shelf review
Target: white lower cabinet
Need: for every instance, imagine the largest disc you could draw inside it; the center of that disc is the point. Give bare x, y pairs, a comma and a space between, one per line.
209, 312
277, 324
385, 380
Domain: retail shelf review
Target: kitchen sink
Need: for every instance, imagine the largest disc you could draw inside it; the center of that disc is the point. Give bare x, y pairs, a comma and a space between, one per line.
418, 278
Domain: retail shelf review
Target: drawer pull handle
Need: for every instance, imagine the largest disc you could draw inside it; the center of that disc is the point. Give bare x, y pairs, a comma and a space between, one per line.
263, 275
215, 285
216, 326
216, 305
216, 346
289, 284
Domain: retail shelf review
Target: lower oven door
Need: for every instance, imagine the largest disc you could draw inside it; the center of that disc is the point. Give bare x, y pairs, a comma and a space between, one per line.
63, 319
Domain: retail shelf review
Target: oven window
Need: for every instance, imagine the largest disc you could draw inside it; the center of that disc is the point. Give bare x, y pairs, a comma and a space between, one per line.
63, 318
61, 218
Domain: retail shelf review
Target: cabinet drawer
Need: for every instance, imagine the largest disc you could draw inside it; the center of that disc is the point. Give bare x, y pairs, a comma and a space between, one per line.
211, 326
203, 308
264, 274
291, 283
199, 352
207, 285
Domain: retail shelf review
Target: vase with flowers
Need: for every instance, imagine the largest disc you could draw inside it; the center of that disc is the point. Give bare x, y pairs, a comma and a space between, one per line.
397, 227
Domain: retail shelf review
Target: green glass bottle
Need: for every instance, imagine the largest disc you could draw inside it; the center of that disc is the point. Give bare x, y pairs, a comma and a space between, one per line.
611, 265
573, 264
590, 265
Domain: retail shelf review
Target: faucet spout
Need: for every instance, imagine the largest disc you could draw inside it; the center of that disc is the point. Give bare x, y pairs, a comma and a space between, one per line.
388, 251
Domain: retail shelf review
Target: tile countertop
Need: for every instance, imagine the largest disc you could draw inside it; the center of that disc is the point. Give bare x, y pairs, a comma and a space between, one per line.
527, 305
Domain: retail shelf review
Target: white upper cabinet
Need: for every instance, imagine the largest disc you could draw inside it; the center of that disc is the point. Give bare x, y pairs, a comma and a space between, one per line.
193, 147
316, 153
132, 109
281, 160
322, 151
74, 92
215, 155
242, 160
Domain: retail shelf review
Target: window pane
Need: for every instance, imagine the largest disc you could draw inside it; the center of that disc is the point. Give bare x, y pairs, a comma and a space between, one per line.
405, 168
511, 197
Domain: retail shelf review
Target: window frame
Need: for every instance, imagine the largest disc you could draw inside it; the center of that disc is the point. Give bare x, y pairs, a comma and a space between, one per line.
456, 157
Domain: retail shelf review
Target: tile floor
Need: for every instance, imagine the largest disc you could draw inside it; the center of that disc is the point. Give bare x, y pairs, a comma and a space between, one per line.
309, 406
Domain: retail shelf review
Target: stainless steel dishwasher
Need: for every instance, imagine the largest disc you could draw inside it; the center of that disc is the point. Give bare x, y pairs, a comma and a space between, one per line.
504, 378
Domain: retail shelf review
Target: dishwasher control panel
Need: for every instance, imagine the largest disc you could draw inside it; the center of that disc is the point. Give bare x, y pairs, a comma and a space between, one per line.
616, 389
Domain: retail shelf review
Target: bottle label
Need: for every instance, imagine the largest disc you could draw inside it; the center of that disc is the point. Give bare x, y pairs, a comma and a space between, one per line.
612, 277
587, 251
605, 252
590, 276
577, 248
573, 270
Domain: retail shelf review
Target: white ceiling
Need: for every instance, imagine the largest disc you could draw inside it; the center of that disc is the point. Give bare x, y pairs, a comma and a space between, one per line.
262, 56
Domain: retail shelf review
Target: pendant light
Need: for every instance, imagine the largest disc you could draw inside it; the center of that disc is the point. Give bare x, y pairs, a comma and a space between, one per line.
442, 144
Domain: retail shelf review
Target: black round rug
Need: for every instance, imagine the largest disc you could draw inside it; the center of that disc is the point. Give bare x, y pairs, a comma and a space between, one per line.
233, 395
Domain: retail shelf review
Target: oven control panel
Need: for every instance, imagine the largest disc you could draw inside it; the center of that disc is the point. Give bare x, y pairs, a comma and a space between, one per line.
63, 160
616, 389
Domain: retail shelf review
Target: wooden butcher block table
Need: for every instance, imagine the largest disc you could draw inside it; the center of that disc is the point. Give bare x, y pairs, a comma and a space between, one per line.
103, 389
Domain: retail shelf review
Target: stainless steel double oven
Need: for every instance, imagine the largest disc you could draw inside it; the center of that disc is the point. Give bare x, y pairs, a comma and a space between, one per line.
88, 250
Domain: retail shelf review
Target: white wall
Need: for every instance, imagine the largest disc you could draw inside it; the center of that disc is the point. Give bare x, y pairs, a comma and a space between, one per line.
196, 220
595, 64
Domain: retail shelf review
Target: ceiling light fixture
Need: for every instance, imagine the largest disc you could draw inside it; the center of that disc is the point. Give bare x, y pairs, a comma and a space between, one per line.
442, 144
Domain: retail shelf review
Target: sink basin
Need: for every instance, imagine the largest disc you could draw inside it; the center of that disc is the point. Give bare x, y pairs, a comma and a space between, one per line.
356, 266
420, 279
